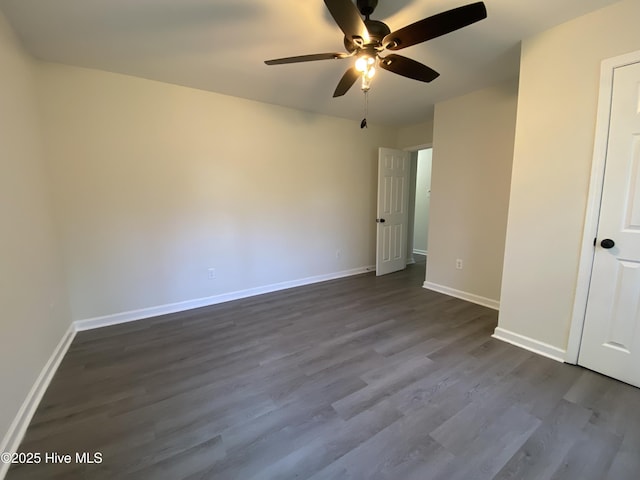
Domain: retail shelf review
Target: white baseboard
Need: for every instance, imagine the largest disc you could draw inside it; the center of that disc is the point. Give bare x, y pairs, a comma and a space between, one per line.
14, 435
530, 344
133, 315
469, 297
420, 252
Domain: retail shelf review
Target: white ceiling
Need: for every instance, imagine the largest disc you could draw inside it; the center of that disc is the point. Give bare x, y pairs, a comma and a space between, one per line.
220, 45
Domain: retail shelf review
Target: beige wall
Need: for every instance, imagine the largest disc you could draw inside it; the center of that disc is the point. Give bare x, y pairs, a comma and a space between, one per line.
416, 135
557, 106
33, 299
155, 183
472, 153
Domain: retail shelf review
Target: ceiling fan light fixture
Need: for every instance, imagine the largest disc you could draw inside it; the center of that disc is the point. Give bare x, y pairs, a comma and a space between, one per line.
366, 83
364, 63
366, 79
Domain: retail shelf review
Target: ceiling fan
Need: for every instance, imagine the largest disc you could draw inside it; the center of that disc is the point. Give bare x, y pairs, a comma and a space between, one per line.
367, 39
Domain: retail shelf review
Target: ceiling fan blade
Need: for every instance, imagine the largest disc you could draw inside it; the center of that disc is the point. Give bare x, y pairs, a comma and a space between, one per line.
346, 82
348, 18
408, 68
307, 58
435, 26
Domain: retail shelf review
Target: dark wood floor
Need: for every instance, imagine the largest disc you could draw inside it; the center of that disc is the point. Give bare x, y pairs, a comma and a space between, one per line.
361, 378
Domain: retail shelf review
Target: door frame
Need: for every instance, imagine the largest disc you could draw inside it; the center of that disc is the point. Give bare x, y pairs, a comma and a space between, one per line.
412, 150
594, 199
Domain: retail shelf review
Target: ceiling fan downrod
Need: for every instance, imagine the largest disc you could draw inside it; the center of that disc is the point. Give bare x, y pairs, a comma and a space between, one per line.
367, 7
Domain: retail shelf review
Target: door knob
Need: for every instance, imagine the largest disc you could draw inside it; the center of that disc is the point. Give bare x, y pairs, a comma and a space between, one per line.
607, 243
380, 220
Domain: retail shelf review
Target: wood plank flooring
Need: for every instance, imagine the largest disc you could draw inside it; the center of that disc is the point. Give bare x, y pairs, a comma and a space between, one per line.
361, 378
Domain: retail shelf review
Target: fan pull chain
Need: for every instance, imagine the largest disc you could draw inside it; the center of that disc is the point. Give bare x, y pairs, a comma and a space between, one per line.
363, 123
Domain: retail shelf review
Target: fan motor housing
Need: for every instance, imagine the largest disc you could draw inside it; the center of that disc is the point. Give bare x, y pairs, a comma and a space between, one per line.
377, 31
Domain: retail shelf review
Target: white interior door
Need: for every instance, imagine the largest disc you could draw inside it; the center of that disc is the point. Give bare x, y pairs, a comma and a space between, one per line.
393, 210
611, 337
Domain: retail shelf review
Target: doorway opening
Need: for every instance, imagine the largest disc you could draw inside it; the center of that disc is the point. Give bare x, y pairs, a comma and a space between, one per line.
419, 205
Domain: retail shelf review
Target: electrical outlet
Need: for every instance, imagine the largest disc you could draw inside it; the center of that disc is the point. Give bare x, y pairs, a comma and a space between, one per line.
211, 273
459, 264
